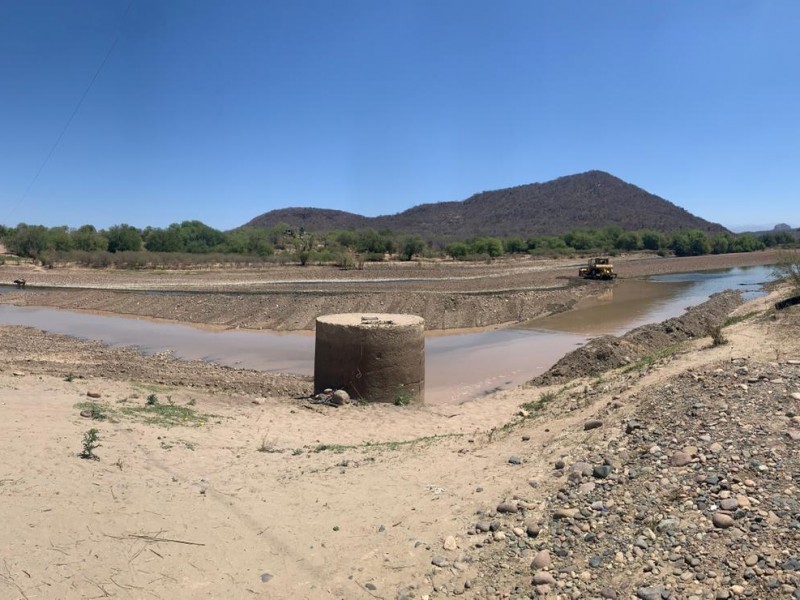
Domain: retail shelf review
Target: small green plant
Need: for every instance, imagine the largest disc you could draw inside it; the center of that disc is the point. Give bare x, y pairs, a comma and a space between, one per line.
191, 402
402, 397
716, 335
268, 445
538, 404
69, 377
152, 400
788, 268
90, 439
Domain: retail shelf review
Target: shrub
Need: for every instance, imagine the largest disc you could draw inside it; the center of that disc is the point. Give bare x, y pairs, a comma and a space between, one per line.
90, 444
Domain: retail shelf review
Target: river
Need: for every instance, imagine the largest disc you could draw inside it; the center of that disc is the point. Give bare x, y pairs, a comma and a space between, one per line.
458, 367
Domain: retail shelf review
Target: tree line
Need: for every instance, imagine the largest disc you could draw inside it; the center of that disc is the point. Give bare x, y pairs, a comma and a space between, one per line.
193, 242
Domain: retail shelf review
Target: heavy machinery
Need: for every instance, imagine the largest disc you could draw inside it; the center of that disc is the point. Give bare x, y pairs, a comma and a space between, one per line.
598, 268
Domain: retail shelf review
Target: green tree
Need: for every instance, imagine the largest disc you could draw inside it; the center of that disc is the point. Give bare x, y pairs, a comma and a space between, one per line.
628, 241
653, 240
59, 239
28, 240
412, 245
721, 243
457, 250
199, 238
515, 245
88, 239
124, 238
164, 240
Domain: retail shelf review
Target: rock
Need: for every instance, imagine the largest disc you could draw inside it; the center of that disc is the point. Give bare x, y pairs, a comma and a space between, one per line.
507, 508
532, 530
340, 398
680, 459
515, 460
543, 578
439, 561
729, 504
632, 426
608, 593
722, 520
602, 472
751, 560
94, 394
370, 586
541, 560
86, 413
450, 543
652, 593
565, 513
592, 424
581, 468
667, 525
265, 577
716, 447
795, 395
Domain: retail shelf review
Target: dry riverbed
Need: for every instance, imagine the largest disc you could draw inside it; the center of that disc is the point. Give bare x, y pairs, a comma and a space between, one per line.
673, 476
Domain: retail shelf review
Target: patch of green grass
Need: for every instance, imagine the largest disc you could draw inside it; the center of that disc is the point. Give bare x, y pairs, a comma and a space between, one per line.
653, 358
538, 404
166, 415
97, 411
152, 400
163, 415
739, 318
337, 448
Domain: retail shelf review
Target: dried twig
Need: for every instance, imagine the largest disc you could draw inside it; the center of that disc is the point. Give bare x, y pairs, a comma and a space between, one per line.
152, 538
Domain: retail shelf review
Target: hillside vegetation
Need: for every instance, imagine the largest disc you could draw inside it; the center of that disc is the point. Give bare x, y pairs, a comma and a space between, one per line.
588, 200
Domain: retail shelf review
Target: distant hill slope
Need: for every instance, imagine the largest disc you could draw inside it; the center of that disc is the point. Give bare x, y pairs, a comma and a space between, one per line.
588, 200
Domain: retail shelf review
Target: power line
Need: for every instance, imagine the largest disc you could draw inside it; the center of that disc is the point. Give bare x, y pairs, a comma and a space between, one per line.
74, 112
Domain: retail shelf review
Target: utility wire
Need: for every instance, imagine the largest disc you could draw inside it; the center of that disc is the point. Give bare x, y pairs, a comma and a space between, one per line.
75, 111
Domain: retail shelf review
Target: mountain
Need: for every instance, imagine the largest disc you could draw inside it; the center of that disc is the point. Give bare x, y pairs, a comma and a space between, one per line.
594, 199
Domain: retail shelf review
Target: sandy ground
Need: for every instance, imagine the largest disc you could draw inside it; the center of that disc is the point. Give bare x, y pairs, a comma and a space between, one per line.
211, 484
251, 495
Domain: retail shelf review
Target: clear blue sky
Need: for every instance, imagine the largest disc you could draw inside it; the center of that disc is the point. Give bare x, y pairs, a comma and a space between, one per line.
223, 110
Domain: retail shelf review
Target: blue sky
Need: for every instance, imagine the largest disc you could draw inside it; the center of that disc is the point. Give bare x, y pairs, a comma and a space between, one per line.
223, 110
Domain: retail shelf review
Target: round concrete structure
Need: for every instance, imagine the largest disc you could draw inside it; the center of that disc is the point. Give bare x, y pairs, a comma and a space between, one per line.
374, 357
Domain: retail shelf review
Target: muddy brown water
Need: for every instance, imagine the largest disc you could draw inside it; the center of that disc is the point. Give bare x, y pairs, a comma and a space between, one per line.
458, 367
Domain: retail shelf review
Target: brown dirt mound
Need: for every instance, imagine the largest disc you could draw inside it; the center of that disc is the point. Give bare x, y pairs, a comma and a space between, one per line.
609, 352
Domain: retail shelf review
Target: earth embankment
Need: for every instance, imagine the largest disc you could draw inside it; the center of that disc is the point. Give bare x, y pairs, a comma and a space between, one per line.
447, 295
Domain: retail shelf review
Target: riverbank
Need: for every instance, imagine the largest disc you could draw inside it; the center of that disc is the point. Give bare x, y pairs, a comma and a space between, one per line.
448, 295
205, 487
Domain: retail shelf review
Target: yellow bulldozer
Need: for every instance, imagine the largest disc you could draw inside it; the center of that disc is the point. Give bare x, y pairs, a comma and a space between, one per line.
598, 268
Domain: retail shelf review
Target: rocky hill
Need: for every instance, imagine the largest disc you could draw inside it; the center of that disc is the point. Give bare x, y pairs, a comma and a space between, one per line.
592, 200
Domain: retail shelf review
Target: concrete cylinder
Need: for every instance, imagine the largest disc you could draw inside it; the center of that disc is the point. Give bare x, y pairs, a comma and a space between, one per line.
374, 357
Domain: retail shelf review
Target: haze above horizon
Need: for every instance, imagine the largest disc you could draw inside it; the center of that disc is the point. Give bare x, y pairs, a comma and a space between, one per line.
148, 113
